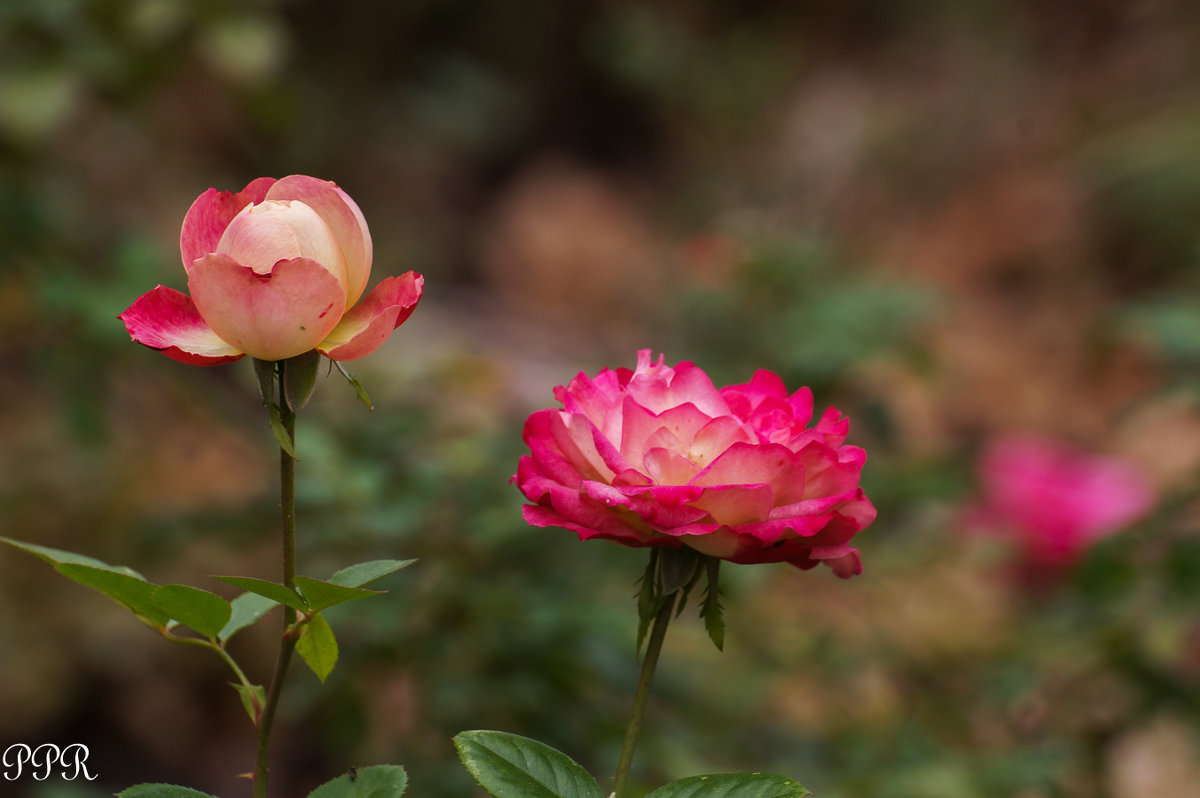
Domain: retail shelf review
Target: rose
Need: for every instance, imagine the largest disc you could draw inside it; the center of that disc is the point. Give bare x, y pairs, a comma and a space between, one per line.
274, 271
1055, 500
659, 457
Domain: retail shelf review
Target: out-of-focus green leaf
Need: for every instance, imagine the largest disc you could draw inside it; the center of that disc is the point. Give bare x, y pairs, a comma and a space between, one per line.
364, 573
732, 785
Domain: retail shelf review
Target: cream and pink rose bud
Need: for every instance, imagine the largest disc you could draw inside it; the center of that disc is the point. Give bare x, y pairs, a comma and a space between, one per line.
274, 270
658, 456
1055, 501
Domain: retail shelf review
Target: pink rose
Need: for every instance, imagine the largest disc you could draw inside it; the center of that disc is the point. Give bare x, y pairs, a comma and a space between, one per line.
659, 457
274, 271
1057, 501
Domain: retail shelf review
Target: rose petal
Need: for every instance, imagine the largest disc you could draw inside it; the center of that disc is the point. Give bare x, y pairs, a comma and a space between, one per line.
211, 213
273, 230
167, 320
368, 324
269, 316
343, 216
766, 463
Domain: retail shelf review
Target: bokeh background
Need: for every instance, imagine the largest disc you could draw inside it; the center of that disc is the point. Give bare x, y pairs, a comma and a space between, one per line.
951, 219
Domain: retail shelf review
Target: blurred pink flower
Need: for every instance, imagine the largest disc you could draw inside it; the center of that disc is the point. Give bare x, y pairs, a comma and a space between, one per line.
1056, 501
274, 271
659, 457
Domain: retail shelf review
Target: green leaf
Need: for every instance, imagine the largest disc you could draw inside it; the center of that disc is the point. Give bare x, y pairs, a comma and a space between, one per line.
710, 608
281, 433
253, 698
246, 609
162, 791
300, 378
318, 647
265, 371
732, 785
132, 592
56, 556
205, 612
319, 595
358, 388
364, 573
377, 781
511, 766
272, 590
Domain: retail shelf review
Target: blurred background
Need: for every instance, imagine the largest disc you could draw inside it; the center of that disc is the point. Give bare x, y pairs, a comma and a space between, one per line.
953, 220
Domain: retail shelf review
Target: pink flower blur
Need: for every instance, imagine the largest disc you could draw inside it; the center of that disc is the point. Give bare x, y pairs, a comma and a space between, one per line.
658, 456
1057, 501
274, 270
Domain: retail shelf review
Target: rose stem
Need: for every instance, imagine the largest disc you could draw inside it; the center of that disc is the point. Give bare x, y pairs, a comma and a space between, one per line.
287, 642
658, 633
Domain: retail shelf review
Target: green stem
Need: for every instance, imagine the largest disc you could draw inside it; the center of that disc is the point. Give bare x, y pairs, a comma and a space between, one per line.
287, 641
213, 646
658, 632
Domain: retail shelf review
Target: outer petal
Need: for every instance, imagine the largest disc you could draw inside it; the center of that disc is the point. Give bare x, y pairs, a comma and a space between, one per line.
343, 216
368, 324
270, 316
211, 213
167, 320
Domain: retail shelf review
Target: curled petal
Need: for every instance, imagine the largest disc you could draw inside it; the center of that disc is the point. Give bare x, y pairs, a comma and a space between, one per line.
343, 216
270, 316
167, 320
368, 324
211, 213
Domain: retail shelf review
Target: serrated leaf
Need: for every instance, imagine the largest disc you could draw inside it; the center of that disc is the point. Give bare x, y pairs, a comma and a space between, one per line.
320, 595
318, 647
732, 785
56, 556
272, 590
300, 378
710, 609
358, 387
364, 573
281, 434
131, 592
511, 766
376, 781
246, 609
162, 791
204, 612
253, 698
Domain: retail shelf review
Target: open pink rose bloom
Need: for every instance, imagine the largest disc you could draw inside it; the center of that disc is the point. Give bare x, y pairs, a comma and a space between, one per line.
274, 271
1055, 501
659, 457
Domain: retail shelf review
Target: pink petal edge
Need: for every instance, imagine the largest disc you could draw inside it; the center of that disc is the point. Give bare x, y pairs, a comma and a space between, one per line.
368, 324
167, 320
207, 218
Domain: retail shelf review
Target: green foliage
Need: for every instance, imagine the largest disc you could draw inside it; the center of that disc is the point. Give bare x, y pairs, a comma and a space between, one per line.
161, 791
317, 646
203, 611
732, 785
511, 766
244, 611
376, 781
